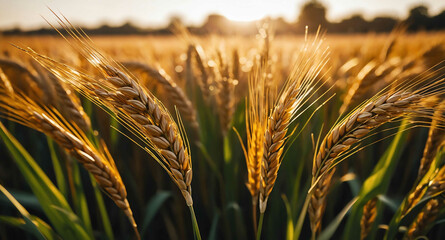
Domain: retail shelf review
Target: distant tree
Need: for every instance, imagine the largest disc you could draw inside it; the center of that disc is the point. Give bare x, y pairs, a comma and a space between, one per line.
281, 26
438, 21
383, 24
355, 23
313, 14
418, 18
216, 24
175, 21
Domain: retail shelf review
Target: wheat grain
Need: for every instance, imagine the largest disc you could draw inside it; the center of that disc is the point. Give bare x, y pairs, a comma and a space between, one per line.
368, 217
135, 107
296, 90
175, 94
354, 128
25, 111
22, 78
436, 137
425, 218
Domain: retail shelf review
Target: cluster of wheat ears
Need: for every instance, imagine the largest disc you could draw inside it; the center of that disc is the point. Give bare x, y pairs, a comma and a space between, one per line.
279, 95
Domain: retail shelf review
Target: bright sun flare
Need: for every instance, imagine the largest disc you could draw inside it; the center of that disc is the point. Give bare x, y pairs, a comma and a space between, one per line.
244, 16
245, 11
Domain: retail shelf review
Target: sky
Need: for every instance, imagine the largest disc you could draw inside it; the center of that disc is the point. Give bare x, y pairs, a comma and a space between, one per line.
30, 14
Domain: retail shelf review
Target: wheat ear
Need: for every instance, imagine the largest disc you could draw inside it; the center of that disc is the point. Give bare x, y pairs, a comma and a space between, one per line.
69, 104
134, 106
226, 93
297, 89
436, 138
425, 218
436, 186
375, 112
198, 53
99, 163
176, 95
23, 79
368, 217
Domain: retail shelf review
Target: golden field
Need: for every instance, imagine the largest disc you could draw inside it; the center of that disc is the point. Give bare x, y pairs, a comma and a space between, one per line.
279, 137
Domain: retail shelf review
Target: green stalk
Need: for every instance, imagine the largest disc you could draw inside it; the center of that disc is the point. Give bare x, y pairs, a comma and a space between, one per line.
102, 210
300, 221
58, 171
254, 213
196, 232
260, 226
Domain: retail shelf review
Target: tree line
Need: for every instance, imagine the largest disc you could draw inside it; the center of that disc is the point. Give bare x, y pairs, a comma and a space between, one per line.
312, 14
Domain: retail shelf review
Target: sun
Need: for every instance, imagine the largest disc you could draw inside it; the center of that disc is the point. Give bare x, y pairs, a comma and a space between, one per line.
244, 10
244, 16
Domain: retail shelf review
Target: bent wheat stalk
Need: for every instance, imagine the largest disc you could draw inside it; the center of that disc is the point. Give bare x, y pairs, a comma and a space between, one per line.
135, 107
69, 104
22, 78
381, 109
21, 109
175, 94
425, 218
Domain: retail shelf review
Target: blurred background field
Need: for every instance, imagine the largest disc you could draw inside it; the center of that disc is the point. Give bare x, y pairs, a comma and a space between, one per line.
210, 65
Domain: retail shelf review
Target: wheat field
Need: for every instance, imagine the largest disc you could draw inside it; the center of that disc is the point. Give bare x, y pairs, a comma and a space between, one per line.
317, 136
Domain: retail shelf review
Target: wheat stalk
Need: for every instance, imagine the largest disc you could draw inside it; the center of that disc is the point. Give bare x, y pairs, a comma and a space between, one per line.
425, 218
69, 104
135, 107
436, 137
435, 186
19, 108
22, 78
383, 108
200, 58
368, 217
226, 93
175, 94
297, 89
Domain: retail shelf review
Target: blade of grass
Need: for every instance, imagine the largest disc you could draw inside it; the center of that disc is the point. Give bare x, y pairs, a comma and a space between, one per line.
28, 223
214, 227
394, 226
58, 171
377, 183
45, 191
102, 210
332, 227
290, 223
80, 202
45, 230
153, 207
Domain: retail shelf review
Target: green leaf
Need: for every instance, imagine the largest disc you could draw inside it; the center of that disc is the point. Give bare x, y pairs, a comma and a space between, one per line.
28, 223
26, 199
214, 227
377, 183
399, 220
290, 222
44, 229
238, 222
330, 230
407, 219
80, 200
58, 171
152, 208
102, 210
45, 191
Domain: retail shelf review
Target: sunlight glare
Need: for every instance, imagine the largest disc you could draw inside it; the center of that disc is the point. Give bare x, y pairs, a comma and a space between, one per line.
246, 10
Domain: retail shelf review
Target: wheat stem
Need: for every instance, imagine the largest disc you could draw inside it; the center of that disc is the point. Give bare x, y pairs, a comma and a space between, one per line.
196, 232
260, 226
